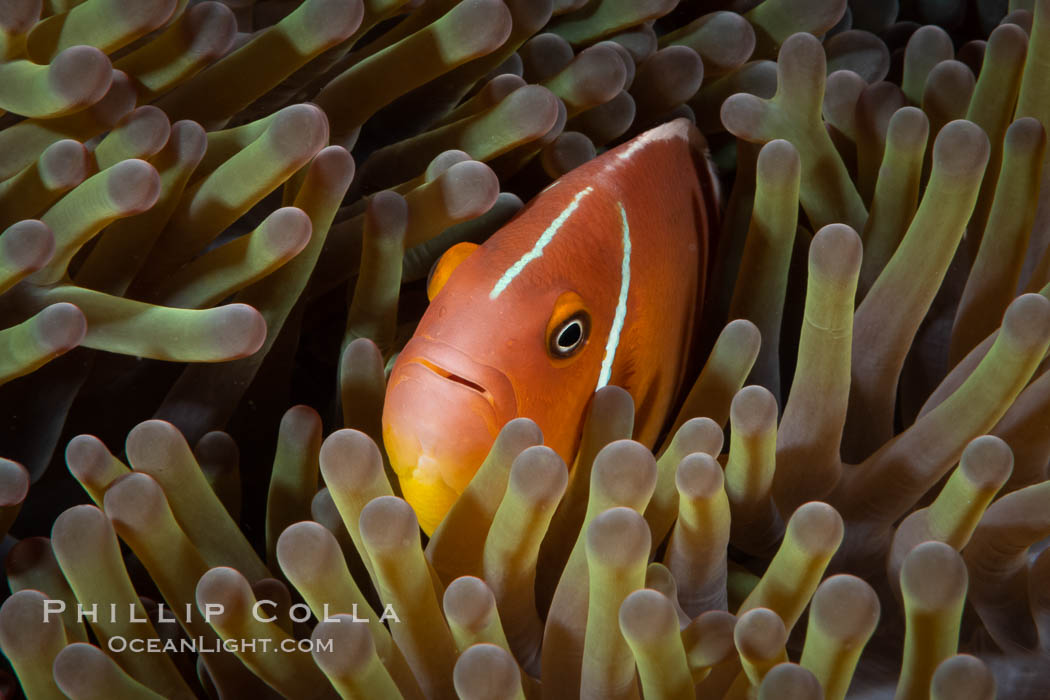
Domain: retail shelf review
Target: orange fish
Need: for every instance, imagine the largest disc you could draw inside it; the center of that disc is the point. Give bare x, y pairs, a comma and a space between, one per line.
599, 280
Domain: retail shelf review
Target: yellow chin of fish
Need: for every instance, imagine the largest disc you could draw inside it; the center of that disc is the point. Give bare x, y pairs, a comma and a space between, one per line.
427, 493
437, 432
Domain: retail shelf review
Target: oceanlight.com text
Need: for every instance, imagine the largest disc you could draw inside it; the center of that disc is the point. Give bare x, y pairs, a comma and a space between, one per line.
201, 645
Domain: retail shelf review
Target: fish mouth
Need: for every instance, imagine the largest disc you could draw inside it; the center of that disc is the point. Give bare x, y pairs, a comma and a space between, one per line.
457, 368
453, 377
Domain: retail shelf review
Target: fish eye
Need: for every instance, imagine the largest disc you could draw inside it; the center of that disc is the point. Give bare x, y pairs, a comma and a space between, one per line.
568, 328
569, 337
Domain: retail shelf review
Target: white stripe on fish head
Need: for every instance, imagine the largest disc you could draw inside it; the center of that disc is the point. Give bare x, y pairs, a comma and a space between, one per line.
613, 341
537, 250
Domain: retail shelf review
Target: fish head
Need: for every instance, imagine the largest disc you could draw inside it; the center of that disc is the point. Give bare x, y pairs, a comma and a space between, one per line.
497, 343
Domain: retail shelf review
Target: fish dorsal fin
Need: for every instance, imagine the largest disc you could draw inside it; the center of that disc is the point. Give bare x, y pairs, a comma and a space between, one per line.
445, 265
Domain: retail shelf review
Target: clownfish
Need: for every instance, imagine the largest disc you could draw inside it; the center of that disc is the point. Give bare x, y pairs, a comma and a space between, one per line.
598, 280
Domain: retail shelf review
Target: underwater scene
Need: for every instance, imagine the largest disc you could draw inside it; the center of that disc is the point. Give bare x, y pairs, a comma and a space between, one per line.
525, 349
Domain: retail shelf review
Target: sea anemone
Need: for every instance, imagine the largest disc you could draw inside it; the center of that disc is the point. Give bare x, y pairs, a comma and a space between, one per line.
851, 497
